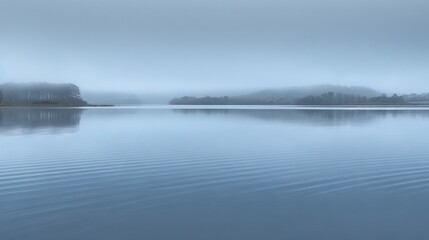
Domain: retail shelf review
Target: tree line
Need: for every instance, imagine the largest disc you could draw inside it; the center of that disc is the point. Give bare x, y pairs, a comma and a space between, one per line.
40, 93
417, 98
329, 98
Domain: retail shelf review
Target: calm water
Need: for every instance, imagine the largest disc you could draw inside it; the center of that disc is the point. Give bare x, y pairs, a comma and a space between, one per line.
158, 173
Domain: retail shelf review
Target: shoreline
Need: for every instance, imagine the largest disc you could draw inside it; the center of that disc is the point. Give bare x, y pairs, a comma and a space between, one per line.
227, 107
308, 106
54, 106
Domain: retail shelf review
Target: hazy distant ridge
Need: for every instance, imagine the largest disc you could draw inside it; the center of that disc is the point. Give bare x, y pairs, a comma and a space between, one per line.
313, 95
299, 92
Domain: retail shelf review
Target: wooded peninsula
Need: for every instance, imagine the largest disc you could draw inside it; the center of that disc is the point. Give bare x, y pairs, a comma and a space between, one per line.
40, 94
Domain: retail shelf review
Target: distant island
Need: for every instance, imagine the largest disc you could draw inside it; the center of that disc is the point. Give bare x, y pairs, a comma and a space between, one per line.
40, 94
315, 95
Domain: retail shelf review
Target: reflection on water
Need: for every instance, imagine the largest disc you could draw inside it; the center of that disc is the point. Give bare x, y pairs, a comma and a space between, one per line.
163, 174
67, 120
39, 120
328, 117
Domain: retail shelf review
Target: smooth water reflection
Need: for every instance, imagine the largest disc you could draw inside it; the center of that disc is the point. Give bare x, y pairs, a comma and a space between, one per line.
130, 173
39, 120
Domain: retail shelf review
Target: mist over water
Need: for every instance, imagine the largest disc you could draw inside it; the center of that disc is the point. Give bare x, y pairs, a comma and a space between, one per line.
214, 173
287, 119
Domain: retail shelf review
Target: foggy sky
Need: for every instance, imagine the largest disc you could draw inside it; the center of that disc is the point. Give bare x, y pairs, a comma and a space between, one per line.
196, 45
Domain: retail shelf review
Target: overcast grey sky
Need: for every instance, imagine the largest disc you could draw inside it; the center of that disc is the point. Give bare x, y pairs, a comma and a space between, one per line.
165, 45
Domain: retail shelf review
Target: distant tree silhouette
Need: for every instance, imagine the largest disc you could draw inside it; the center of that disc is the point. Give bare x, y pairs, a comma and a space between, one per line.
329, 98
40, 93
1, 97
417, 98
343, 99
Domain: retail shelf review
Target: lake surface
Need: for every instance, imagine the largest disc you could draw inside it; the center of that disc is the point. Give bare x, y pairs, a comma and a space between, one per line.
214, 173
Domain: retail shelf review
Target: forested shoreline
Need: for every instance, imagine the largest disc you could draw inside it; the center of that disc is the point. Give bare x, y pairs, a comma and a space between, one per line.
309, 96
327, 99
36, 94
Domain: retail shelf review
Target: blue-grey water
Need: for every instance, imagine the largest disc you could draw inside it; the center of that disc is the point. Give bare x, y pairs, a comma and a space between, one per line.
214, 173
